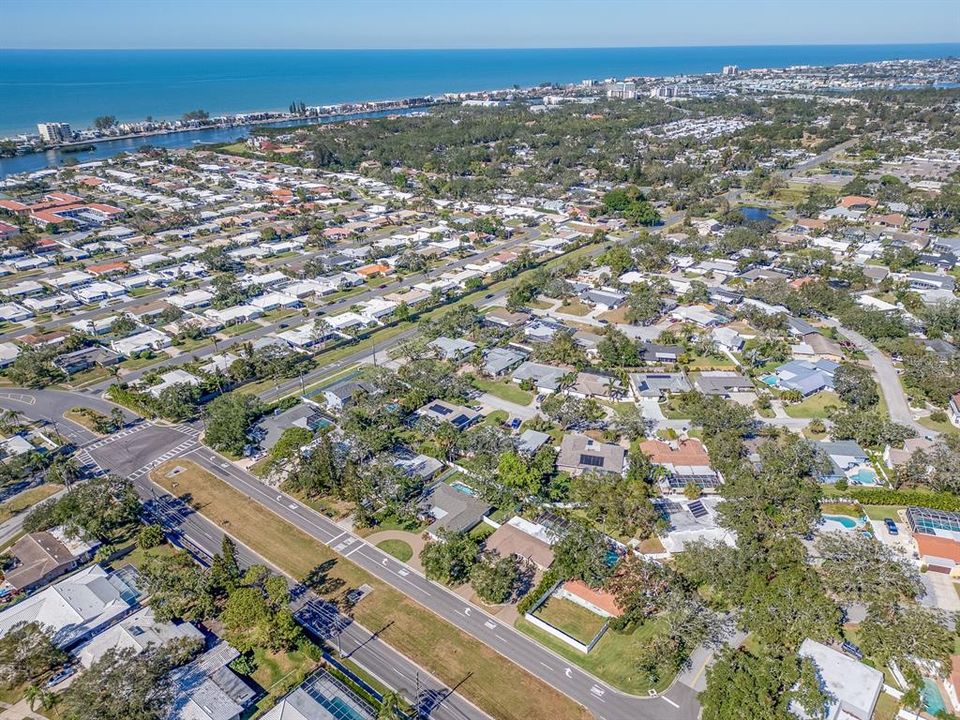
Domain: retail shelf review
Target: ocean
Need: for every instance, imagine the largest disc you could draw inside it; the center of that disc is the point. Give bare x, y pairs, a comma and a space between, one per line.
75, 86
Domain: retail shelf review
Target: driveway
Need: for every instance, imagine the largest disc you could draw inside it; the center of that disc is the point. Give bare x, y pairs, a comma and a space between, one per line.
941, 592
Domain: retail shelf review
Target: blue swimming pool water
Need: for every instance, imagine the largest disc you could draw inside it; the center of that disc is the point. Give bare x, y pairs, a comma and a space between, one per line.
463, 488
932, 699
769, 380
866, 477
847, 522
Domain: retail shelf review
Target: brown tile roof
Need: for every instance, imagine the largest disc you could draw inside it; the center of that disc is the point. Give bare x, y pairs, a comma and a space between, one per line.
509, 540
599, 598
686, 452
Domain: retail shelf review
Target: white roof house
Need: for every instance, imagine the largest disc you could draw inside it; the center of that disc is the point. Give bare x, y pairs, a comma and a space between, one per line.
146, 340
169, 379
76, 607
99, 291
235, 314
192, 299
8, 353
855, 687
138, 631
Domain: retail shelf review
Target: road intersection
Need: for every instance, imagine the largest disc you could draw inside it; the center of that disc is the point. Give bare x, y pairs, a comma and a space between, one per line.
134, 452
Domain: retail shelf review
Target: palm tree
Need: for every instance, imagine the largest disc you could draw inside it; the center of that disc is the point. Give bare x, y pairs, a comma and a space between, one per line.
11, 421
392, 704
36, 694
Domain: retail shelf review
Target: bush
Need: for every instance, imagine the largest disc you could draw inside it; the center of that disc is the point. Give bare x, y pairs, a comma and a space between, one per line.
150, 536
883, 496
549, 579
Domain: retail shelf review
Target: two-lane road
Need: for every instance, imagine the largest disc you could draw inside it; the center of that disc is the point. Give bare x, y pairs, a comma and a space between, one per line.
678, 703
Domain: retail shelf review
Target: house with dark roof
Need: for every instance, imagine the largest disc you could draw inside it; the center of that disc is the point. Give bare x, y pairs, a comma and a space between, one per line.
457, 415
39, 558
581, 453
657, 385
500, 360
452, 509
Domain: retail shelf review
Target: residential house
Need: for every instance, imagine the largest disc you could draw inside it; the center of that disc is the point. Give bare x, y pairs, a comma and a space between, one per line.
846, 458
524, 539
545, 378
804, 376
581, 453
852, 688
207, 689
683, 462
657, 385
722, 383
455, 349
451, 509
40, 557
75, 608
441, 411
500, 360
692, 521
137, 632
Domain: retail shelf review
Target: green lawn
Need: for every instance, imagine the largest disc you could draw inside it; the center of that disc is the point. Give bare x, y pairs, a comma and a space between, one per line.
879, 512
509, 391
611, 659
841, 509
398, 548
190, 344
239, 328
88, 377
482, 675
574, 307
575, 620
139, 363
279, 673
944, 427
143, 291
27, 499
497, 417
815, 406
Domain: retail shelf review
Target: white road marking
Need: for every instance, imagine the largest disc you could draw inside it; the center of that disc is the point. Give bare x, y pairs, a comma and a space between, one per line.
568, 673
666, 699
490, 625
546, 666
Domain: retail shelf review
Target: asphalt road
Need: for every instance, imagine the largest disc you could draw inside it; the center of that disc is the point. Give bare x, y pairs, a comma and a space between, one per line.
606, 703
389, 286
132, 452
897, 404
351, 640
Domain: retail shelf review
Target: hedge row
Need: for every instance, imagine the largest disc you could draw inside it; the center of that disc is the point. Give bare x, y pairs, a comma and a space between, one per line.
549, 579
884, 496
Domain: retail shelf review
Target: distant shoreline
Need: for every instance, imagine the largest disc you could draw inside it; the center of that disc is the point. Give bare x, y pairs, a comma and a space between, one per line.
75, 86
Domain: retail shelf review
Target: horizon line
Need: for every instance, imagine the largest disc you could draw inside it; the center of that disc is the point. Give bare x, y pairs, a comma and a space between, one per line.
484, 47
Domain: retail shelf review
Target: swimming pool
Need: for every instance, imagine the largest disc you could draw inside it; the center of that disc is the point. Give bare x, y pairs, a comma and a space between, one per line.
830, 522
865, 477
463, 488
932, 699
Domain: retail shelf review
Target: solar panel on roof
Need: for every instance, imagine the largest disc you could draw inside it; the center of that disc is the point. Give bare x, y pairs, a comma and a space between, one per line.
441, 410
697, 508
591, 460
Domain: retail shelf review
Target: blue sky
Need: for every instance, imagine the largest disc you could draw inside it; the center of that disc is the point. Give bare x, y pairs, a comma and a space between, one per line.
471, 23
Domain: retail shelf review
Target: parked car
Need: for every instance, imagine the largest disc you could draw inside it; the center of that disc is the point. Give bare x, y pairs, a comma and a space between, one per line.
515, 423
851, 649
61, 675
891, 526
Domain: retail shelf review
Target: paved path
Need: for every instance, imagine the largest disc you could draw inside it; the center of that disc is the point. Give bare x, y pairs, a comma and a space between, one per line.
416, 543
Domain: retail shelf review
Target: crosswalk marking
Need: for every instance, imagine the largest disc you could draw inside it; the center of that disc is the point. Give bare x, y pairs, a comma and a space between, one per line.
181, 449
